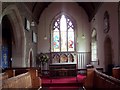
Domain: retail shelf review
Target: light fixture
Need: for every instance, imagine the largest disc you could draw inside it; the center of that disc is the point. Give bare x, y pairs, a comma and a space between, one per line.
32, 23
83, 36
45, 37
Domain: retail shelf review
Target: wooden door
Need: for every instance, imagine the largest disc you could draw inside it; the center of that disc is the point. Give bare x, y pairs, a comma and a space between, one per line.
108, 55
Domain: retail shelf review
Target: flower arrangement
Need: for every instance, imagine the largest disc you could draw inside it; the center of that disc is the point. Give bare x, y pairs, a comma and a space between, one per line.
42, 58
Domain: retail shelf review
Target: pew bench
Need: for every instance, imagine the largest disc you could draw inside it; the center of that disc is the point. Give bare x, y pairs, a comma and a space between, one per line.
98, 80
116, 72
20, 81
3, 76
25, 80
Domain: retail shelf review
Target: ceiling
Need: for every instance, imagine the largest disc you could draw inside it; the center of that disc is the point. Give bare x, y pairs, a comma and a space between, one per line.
37, 8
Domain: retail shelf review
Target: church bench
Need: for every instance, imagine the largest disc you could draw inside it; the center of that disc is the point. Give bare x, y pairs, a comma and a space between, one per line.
7, 74
3, 76
20, 70
25, 80
116, 72
20, 81
98, 80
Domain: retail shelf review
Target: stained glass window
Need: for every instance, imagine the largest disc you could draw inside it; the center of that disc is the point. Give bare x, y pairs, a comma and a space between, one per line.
56, 40
63, 35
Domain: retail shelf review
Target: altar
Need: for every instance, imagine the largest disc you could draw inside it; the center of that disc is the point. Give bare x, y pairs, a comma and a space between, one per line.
58, 70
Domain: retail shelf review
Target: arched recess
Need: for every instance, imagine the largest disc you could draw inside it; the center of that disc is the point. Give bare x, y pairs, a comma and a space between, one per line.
94, 45
18, 49
94, 51
7, 42
30, 59
108, 55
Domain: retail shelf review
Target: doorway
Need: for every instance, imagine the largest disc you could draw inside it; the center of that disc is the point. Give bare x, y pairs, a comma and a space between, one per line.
31, 58
108, 55
7, 42
17, 35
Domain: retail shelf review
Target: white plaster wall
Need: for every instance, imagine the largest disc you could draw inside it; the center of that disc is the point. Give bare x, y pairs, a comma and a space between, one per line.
112, 9
83, 25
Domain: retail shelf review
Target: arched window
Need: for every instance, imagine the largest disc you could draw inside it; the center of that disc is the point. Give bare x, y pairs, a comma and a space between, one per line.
94, 45
63, 35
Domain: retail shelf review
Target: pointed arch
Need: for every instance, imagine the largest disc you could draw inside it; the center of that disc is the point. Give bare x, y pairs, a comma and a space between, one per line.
108, 55
63, 34
94, 45
19, 48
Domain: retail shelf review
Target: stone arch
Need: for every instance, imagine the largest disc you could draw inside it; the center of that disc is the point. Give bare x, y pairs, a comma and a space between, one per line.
58, 16
66, 14
108, 55
19, 48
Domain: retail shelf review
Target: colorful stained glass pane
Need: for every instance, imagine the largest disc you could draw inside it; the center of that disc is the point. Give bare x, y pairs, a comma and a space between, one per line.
63, 35
56, 40
70, 40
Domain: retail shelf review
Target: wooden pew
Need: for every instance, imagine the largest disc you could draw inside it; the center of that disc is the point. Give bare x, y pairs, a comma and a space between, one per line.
98, 80
29, 79
20, 81
36, 81
20, 70
6, 75
116, 72
89, 78
3, 76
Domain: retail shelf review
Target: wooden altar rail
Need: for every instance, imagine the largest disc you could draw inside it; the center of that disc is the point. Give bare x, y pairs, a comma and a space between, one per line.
97, 80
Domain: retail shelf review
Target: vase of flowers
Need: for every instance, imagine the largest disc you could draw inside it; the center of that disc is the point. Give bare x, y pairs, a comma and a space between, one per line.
42, 58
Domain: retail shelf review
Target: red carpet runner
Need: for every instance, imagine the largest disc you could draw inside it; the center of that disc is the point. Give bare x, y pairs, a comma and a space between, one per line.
64, 83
